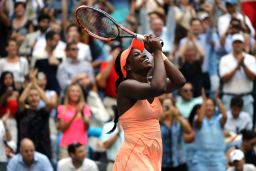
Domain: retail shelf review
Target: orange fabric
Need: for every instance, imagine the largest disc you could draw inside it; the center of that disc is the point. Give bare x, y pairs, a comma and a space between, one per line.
137, 44
142, 148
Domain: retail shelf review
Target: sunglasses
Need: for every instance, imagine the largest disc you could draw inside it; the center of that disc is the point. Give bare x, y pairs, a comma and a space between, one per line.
187, 90
73, 49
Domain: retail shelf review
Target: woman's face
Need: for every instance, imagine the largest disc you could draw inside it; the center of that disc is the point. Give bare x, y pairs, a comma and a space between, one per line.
209, 107
74, 93
20, 10
33, 98
138, 61
8, 80
190, 54
42, 82
12, 48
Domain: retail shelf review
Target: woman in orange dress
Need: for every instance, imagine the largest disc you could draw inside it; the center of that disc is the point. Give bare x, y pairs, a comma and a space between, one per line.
138, 106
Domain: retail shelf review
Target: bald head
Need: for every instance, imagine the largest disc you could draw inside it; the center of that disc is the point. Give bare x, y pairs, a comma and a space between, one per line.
26, 143
27, 149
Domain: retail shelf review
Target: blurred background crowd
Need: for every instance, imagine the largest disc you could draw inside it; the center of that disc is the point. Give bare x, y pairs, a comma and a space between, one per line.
58, 94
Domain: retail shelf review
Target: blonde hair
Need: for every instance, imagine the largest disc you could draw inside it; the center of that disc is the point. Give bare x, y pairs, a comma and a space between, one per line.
66, 97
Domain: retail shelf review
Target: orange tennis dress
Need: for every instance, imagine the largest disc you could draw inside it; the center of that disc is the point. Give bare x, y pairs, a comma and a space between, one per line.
142, 147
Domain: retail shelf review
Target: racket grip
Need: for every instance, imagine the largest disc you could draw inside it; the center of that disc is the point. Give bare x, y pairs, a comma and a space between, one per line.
141, 37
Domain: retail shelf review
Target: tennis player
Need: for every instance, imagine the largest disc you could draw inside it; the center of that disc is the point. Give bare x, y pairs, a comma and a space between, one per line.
138, 106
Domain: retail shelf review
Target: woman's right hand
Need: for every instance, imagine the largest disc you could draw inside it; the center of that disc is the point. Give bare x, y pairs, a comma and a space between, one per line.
152, 43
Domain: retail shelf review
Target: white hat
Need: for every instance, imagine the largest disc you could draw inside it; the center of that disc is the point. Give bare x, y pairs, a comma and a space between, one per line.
236, 155
11, 145
237, 37
203, 15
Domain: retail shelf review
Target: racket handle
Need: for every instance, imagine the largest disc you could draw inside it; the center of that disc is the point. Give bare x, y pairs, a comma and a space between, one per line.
141, 37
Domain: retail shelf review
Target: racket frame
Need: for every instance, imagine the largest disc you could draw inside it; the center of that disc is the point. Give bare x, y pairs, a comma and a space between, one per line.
119, 26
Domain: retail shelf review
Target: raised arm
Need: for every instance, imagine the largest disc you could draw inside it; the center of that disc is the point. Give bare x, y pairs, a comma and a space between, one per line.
175, 77
24, 95
221, 108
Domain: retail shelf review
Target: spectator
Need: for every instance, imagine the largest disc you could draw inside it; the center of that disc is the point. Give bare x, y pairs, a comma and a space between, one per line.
176, 131
15, 64
53, 102
224, 20
4, 136
209, 142
30, 40
76, 160
20, 21
235, 27
237, 159
196, 35
237, 71
237, 120
33, 122
73, 70
247, 146
9, 102
186, 103
158, 29
28, 159
73, 34
191, 58
73, 119
48, 60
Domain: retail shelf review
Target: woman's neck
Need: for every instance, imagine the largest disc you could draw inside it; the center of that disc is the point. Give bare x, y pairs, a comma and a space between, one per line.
12, 58
73, 103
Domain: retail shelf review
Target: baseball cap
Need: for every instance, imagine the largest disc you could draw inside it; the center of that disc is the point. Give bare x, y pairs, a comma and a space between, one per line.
238, 37
136, 44
232, 2
11, 145
203, 16
236, 155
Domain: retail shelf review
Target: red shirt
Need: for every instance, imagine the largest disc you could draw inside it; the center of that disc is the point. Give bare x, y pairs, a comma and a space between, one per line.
110, 89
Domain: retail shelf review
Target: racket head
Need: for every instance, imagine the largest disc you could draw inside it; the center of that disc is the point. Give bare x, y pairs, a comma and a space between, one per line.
97, 23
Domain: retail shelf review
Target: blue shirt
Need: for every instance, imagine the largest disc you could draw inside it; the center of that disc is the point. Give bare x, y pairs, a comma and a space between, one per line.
40, 163
209, 143
173, 145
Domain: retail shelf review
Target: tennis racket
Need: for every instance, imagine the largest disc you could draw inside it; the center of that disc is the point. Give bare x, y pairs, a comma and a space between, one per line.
101, 25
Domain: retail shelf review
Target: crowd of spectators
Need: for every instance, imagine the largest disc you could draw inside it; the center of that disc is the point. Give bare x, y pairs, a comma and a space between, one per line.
58, 94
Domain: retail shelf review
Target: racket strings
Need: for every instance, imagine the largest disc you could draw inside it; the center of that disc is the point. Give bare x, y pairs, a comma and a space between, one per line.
97, 23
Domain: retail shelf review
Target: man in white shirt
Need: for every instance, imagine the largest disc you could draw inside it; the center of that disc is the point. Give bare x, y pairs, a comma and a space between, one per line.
237, 71
159, 30
237, 158
73, 35
224, 20
77, 160
238, 120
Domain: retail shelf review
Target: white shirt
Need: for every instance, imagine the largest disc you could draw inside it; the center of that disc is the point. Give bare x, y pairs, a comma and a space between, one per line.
247, 167
112, 151
2, 146
224, 22
67, 165
239, 83
19, 69
242, 122
84, 52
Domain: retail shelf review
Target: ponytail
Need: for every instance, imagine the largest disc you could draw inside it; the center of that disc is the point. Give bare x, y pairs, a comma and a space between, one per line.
115, 119
118, 82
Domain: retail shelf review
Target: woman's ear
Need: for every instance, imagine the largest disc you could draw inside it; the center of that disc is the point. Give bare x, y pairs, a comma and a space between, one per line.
127, 68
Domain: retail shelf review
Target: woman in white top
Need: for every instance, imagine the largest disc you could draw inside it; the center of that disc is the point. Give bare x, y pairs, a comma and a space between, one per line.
15, 64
